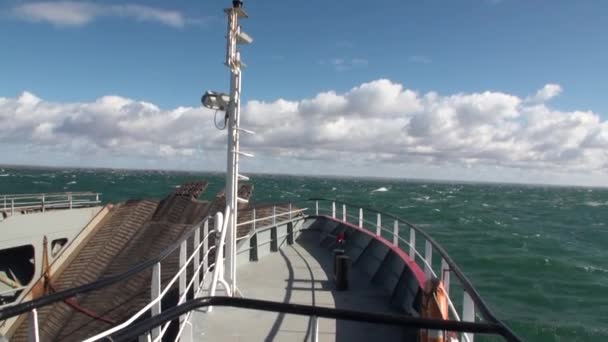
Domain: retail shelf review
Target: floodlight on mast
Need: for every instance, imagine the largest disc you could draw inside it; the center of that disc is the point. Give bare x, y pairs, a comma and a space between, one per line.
215, 100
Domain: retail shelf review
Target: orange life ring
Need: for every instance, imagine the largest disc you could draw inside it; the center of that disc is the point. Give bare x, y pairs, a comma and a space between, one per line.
435, 306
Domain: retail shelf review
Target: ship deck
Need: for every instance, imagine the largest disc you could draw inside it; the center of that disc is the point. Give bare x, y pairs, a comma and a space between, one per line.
300, 273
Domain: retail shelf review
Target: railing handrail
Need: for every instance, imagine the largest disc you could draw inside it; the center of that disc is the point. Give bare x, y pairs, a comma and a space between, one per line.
42, 201
416, 252
466, 284
49, 194
271, 216
310, 310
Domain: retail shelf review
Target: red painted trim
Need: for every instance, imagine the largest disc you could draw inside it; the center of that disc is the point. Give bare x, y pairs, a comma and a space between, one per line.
413, 266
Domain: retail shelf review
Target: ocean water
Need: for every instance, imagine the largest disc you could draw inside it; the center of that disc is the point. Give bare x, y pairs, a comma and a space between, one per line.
538, 255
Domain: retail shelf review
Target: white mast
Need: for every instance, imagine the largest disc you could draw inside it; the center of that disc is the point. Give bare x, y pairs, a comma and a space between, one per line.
231, 103
233, 62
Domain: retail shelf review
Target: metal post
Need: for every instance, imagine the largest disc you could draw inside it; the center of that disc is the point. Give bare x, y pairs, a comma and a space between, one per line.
445, 275
317, 208
412, 244
396, 234
205, 247
4, 202
344, 212
290, 234
314, 336
428, 257
379, 224
43, 203
290, 215
274, 215
12, 206
155, 293
33, 329
230, 254
183, 256
96, 197
274, 239
219, 255
197, 259
360, 217
70, 199
468, 315
253, 240
333, 209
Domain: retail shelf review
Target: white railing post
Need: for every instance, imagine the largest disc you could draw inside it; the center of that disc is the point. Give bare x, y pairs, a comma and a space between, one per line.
428, 257
4, 202
314, 336
445, 276
360, 217
253, 221
70, 199
413, 244
155, 293
43, 200
317, 208
219, 259
333, 209
344, 212
96, 197
183, 256
274, 215
205, 247
289, 211
12, 206
468, 315
379, 224
197, 259
396, 234
33, 332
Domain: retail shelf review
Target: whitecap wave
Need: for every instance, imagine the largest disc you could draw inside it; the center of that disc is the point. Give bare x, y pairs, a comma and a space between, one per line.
595, 204
5, 175
72, 182
591, 269
381, 189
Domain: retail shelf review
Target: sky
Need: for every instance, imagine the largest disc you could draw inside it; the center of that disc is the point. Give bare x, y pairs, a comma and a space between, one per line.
474, 90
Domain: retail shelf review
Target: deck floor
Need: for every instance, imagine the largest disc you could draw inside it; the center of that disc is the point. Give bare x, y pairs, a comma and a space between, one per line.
300, 274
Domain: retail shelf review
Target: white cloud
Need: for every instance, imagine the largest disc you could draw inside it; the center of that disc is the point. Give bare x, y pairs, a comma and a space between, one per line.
379, 123
73, 13
546, 93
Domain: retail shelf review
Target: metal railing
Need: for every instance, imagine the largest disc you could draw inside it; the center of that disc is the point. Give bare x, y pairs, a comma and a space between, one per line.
11, 203
196, 283
471, 306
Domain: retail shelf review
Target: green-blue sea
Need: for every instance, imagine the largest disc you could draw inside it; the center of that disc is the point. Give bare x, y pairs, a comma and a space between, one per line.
537, 254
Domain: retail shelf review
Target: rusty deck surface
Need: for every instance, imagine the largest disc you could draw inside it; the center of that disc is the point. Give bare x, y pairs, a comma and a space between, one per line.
135, 231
